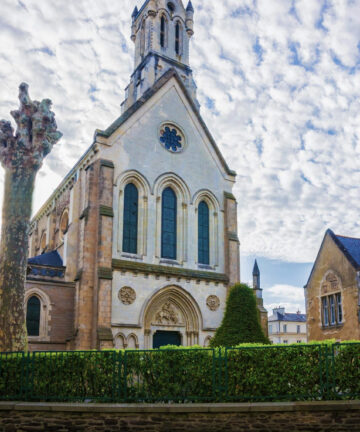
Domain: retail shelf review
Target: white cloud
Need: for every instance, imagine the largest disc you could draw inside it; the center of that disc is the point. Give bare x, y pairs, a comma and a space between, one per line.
284, 79
288, 296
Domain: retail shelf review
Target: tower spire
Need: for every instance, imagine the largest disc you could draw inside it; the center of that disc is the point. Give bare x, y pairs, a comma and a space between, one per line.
256, 276
161, 31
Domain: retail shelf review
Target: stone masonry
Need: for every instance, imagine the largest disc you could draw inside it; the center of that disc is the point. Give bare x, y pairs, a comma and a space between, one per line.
266, 417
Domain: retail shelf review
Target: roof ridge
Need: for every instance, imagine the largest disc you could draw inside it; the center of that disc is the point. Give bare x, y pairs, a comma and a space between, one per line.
342, 236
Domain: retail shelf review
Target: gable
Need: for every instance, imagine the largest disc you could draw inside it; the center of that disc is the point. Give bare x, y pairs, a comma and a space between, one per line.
333, 256
142, 106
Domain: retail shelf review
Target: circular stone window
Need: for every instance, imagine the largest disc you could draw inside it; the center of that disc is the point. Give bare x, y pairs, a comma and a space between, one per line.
172, 138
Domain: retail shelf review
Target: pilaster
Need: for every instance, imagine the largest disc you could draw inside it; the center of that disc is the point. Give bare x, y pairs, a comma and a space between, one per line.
231, 240
95, 258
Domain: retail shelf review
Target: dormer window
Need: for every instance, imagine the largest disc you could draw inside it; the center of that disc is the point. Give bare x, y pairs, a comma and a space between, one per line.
177, 38
162, 31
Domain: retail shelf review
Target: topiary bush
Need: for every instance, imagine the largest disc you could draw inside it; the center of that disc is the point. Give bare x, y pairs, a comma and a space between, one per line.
241, 322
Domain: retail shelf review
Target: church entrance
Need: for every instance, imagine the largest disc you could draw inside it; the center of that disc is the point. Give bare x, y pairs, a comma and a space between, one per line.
171, 317
163, 338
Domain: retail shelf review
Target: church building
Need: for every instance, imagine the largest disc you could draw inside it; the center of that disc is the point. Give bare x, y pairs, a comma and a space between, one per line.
138, 246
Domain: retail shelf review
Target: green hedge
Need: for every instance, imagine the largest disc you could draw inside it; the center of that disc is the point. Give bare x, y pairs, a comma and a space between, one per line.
246, 373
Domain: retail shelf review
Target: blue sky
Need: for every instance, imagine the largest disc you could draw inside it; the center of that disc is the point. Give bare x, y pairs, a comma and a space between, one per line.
279, 86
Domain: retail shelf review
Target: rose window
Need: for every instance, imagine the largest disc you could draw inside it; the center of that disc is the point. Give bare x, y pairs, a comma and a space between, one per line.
171, 138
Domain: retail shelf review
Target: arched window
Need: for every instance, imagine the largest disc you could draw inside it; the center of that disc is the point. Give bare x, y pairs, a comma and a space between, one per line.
33, 316
130, 230
43, 242
162, 31
203, 233
168, 224
178, 38
142, 39
64, 224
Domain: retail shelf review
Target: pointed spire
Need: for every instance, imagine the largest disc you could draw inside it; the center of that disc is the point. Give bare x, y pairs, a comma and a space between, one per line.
135, 13
189, 7
256, 271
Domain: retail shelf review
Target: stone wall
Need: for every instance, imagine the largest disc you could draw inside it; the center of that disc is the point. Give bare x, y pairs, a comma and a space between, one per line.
332, 260
267, 417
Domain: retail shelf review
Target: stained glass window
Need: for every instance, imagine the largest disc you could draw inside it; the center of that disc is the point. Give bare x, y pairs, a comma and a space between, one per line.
203, 233
33, 316
130, 230
162, 31
171, 139
177, 38
168, 224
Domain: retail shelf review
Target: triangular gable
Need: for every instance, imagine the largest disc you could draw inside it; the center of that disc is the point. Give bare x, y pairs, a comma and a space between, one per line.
151, 92
344, 248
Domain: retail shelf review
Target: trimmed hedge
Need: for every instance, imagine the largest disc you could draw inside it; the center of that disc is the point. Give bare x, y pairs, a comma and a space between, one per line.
241, 322
245, 373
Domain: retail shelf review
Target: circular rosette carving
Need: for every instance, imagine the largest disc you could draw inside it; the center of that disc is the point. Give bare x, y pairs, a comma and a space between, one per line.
127, 295
213, 303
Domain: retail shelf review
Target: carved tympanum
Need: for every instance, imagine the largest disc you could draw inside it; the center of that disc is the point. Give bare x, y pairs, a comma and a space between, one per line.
167, 315
127, 295
213, 303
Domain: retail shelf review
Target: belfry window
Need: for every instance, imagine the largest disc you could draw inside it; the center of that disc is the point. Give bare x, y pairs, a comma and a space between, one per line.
203, 234
142, 40
177, 38
33, 310
168, 224
162, 31
130, 227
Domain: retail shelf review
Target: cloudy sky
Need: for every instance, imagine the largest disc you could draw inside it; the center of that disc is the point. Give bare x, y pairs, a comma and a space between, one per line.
279, 85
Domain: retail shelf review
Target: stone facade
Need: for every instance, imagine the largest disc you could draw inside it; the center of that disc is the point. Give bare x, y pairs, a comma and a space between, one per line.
287, 328
269, 417
332, 291
118, 295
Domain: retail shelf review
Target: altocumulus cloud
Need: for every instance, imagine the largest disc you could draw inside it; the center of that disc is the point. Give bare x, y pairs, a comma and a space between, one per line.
278, 83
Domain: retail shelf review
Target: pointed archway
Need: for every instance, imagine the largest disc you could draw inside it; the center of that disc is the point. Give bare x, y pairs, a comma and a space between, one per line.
172, 309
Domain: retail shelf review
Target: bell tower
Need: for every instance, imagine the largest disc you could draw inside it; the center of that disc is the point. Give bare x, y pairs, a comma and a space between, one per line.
161, 31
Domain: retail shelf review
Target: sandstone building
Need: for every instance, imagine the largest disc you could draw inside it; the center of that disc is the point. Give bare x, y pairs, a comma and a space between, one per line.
332, 292
138, 245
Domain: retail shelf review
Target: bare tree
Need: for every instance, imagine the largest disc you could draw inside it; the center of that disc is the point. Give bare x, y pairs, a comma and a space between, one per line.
21, 155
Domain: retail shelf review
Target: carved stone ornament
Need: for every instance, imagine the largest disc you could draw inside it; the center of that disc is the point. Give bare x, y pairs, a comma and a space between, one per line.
213, 303
127, 295
167, 315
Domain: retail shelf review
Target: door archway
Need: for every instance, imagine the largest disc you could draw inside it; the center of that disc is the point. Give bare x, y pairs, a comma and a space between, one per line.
172, 309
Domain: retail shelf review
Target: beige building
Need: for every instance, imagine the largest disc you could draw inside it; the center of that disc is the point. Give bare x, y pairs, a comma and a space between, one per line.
332, 291
287, 328
138, 245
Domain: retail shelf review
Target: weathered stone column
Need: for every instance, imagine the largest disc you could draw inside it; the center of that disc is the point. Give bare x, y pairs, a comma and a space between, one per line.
95, 277
231, 241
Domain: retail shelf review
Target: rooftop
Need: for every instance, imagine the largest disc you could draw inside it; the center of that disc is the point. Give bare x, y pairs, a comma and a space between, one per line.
51, 259
288, 317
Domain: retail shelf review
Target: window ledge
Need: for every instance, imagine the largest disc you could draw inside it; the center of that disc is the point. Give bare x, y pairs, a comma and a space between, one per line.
333, 326
132, 256
169, 262
206, 267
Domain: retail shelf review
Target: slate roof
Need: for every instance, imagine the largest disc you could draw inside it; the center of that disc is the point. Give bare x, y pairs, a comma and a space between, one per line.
350, 246
256, 271
289, 317
51, 259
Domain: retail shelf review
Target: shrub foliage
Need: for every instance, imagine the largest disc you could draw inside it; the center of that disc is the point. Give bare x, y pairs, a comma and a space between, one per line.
251, 372
241, 322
